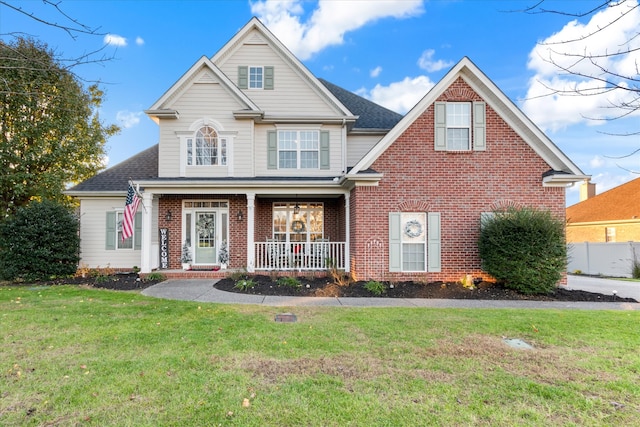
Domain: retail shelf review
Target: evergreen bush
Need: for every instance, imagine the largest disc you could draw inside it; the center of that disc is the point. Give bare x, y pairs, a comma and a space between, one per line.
524, 248
39, 242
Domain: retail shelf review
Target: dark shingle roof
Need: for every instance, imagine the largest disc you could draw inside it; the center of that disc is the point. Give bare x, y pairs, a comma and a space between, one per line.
372, 115
142, 166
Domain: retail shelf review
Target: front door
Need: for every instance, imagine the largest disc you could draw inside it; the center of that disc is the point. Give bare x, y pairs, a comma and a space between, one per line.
205, 229
205, 244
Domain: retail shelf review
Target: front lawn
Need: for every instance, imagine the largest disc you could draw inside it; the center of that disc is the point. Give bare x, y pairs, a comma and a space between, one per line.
79, 356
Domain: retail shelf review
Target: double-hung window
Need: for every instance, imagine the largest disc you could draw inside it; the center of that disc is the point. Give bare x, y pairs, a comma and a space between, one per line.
113, 232
460, 126
256, 77
206, 148
298, 149
414, 241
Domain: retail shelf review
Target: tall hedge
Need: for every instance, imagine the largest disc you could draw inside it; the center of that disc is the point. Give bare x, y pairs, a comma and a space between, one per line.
524, 248
40, 241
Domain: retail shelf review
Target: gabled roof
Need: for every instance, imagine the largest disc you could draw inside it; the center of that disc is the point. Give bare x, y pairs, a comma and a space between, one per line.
371, 116
255, 24
160, 107
143, 165
567, 171
619, 203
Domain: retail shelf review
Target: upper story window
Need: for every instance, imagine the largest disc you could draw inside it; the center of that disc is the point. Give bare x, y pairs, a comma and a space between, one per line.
460, 126
255, 78
206, 148
298, 149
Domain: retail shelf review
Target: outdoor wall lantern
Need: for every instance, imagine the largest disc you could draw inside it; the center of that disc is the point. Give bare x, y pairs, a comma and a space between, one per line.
168, 216
240, 216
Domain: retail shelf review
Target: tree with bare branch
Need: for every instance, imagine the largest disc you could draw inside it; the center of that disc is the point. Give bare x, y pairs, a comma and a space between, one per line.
599, 60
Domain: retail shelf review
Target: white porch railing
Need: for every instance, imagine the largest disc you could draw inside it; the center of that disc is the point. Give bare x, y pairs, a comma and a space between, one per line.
300, 255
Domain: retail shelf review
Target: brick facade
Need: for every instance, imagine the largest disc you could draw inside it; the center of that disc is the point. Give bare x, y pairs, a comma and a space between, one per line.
458, 185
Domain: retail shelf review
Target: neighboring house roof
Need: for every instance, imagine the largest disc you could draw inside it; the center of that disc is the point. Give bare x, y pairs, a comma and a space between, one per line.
619, 203
372, 116
564, 170
142, 166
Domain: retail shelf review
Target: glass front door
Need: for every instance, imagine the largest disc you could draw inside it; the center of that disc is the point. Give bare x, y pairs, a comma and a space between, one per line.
205, 229
205, 244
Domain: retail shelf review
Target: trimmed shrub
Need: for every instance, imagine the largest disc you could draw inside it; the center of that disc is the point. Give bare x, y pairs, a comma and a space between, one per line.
39, 242
524, 248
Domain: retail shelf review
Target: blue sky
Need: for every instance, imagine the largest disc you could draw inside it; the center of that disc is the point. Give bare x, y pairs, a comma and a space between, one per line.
389, 52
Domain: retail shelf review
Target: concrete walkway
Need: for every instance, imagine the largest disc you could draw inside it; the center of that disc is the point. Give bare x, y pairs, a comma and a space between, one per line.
202, 290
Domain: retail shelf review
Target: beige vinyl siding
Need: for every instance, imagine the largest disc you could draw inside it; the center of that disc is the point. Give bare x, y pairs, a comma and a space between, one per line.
197, 102
358, 146
93, 235
335, 152
292, 94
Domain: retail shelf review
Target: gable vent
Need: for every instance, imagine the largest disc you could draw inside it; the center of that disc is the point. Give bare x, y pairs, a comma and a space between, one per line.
255, 38
207, 78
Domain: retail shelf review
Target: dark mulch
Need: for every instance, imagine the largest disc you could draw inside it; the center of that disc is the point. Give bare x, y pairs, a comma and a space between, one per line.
118, 282
324, 287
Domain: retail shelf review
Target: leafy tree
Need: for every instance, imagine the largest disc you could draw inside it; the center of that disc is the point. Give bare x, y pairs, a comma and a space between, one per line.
38, 242
524, 248
50, 131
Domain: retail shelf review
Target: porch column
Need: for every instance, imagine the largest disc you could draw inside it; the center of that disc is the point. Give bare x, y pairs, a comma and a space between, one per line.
251, 247
347, 216
145, 249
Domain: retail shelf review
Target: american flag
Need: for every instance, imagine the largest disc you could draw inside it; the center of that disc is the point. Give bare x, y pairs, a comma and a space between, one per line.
130, 208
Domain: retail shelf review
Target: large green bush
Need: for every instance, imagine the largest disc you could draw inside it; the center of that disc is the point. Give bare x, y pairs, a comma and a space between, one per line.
524, 248
38, 242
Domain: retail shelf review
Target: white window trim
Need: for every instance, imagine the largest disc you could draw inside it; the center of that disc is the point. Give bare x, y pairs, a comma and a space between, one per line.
183, 136
249, 68
469, 126
119, 219
288, 208
298, 149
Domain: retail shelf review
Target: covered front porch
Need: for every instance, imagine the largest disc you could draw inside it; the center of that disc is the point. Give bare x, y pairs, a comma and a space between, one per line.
292, 229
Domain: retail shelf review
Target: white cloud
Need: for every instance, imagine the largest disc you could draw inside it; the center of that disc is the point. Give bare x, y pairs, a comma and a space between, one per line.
115, 40
139, 41
399, 96
128, 119
556, 112
596, 162
375, 72
427, 63
328, 23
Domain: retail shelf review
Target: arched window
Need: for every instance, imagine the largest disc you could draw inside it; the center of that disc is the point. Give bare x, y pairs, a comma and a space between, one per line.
209, 149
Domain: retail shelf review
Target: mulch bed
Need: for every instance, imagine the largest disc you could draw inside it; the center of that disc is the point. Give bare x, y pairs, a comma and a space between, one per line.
324, 287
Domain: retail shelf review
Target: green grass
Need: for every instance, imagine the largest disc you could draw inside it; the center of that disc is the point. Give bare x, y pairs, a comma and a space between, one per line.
77, 356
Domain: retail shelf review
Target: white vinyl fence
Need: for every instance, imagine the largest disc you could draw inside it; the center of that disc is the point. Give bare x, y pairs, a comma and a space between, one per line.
607, 259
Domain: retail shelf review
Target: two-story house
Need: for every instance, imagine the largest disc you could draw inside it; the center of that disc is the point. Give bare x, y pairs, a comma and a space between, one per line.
291, 172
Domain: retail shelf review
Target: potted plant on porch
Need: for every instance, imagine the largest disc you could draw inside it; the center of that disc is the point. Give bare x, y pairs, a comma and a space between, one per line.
186, 257
223, 255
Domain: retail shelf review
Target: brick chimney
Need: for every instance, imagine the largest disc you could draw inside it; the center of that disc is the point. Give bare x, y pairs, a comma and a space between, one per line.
587, 190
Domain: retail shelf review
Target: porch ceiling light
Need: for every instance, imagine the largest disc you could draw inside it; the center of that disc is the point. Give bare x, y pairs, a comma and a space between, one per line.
296, 209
